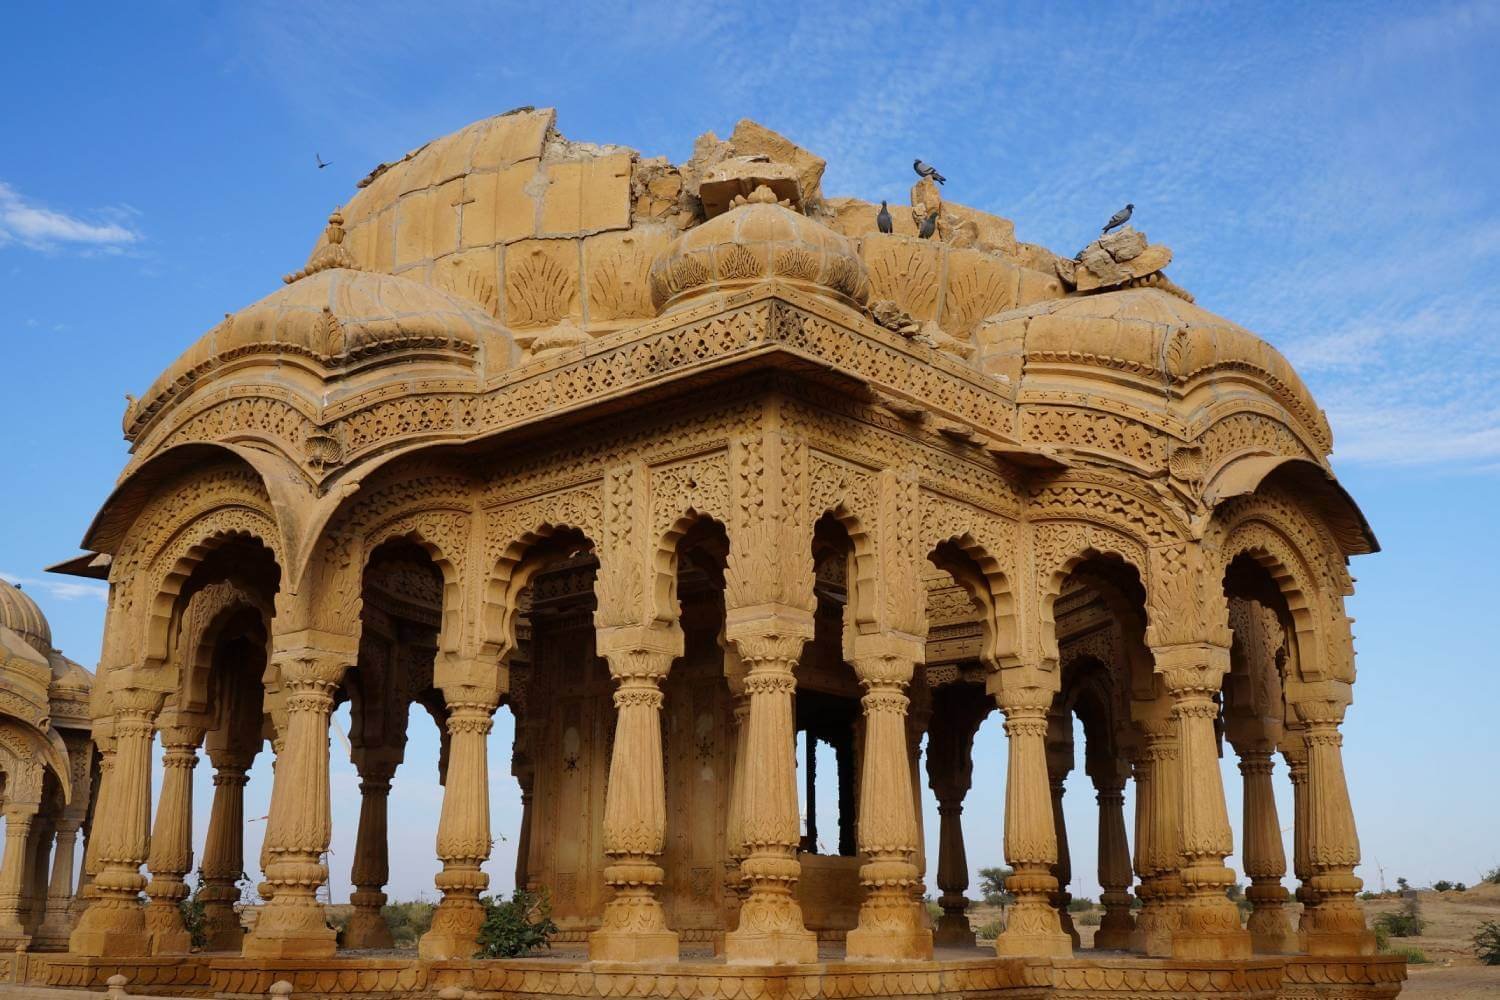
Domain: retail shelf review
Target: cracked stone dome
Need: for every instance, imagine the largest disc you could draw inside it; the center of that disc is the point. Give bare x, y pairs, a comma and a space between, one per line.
760, 240
20, 614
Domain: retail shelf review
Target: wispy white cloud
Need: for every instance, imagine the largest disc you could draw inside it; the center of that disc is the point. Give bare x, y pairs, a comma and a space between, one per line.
63, 590
29, 224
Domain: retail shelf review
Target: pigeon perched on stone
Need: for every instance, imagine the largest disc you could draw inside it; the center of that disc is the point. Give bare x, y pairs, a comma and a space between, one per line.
929, 226
883, 219
925, 170
1118, 219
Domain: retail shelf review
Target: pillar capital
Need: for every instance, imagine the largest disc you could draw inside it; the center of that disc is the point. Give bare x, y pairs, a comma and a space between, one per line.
769, 634
1192, 669
639, 653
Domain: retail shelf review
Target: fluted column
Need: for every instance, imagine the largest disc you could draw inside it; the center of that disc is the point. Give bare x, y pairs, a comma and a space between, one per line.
1338, 921
171, 856
770, 927
1209, 925
950, 770
57, 920
634, 928
1059, 763
1114, 856
463, 837
1294, 752
86, 892
224, 855
114, 925
20, 815
918, 715
1265, 858
1032, 927
371, 869
292, 924
734, 823
890, 920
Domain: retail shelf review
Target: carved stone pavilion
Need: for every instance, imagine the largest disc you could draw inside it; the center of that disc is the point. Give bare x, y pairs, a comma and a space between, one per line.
682, 465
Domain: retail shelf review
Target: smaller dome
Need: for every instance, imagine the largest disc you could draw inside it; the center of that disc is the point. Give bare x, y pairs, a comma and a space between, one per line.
20, 614
757, 241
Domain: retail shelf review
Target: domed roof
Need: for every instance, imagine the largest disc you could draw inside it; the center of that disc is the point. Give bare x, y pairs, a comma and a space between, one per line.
20, 614
334, 320
756, 241
1152, 333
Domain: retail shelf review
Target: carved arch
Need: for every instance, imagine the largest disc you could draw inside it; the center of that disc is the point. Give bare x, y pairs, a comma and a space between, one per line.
975, 548
1059, 548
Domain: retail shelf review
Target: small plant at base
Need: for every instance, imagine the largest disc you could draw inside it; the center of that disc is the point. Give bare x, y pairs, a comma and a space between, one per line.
1382, 938
1487, 942
191, 908
1090, 918
1413, 956
990, 931
1406, 922
515, 927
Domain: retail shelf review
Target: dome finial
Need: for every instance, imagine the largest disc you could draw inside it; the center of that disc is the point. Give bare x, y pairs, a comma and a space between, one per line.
331, 253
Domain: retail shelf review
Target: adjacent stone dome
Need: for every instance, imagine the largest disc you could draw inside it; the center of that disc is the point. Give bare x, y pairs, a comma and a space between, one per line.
756, 241
20, 614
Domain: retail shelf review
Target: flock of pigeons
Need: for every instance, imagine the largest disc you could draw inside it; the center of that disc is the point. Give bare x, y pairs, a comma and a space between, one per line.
928, 227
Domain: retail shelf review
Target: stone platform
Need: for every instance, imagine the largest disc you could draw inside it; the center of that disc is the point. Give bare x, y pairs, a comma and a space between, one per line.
970, 975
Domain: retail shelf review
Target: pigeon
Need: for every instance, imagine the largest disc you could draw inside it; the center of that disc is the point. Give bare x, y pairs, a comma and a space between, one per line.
319, 158
923, 170
1118, 219
929, 226
883, 219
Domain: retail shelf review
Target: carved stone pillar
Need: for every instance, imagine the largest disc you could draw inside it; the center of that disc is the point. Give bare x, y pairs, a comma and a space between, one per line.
20, 815
1114, 855
1059, 763
34, 896
463, 838
734, 822
114, 925
371, 869
1032, 927
890, 920
1294, 752
1158, 857
86, 893
950, 770
1338, 921
292, 923
57, 920
224, 854
1265, 858
635, 928
1209, 926
171, 856
918, 715
770, 928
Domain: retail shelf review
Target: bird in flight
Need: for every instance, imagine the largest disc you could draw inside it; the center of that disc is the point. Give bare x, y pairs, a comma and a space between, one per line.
883, 219
319, 158
929, 226
926, 170
1118, 219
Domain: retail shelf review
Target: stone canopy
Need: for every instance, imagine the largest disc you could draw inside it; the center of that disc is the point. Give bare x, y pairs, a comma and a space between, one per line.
689, 465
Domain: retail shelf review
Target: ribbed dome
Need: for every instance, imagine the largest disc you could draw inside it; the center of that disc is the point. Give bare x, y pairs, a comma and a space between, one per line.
20, 614
756, 242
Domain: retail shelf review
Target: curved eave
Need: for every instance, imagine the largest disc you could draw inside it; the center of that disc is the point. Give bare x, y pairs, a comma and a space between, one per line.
119, 511
1308, 479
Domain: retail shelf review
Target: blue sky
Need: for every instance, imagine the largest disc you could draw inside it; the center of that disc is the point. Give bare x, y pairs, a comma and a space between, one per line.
1325, 174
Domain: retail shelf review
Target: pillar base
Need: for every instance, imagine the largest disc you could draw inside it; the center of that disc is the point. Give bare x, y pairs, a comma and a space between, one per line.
103, 942
367, 930
1210, 945
165, 927
291, 931
1338, 943
1034, 944
952, 930
1112, 938
634, 946
888, 944
11, 941
455, 930
752, 947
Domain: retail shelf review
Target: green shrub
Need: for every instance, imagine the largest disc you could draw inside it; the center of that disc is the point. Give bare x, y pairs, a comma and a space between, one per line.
1090, 918
1460, 887
1382, 938
1405, 922
992, 886
1413, 956
191, 909
1368, 895
1487, 942
1442, 885
1235, 891
515, 927
1492, 876
408, 921
990, 931
1080, 905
